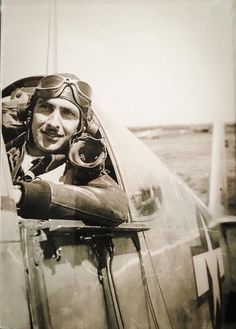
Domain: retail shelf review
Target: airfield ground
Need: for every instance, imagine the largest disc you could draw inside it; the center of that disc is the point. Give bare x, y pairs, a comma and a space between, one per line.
187, 152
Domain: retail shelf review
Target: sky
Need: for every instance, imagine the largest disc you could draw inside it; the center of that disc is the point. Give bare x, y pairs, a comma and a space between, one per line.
151, 62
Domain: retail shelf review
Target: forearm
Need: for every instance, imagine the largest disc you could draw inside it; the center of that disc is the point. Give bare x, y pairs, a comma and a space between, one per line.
101, 202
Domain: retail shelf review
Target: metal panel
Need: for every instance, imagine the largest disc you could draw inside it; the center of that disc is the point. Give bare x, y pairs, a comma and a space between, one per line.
129, 285
14, 312
78, 276
64, 286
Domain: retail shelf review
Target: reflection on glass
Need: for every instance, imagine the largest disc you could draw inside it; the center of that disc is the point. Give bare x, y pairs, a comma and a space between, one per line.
147, 201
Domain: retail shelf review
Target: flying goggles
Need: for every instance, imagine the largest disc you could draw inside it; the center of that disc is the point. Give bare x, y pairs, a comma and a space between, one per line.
52, 86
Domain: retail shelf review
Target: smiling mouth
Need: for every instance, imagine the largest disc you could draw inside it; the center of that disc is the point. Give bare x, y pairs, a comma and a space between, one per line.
52, 134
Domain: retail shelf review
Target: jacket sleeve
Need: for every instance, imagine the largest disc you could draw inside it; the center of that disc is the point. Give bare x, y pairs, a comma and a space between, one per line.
100, 202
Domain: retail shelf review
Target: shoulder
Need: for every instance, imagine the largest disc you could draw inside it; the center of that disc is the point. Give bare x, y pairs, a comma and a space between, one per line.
16, 143
15, 153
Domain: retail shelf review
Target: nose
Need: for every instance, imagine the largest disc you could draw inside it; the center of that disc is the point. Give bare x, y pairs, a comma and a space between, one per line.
54, 120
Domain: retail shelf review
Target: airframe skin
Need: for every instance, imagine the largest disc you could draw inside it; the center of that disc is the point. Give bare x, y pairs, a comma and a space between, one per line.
166, 268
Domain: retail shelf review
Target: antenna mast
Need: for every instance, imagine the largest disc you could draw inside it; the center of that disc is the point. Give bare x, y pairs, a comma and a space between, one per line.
52, 39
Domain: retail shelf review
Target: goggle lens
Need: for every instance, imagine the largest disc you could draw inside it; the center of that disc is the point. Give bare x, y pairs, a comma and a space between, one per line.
52, 83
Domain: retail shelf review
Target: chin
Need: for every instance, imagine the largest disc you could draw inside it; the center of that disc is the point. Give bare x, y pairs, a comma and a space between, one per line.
54, 149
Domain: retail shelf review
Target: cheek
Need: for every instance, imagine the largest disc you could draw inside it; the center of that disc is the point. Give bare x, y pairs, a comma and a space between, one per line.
70, 127
38, 121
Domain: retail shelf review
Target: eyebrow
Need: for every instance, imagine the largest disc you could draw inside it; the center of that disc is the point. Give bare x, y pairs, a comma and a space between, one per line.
72, 109
43, 101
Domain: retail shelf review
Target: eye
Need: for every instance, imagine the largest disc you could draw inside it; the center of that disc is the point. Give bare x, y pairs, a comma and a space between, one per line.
45, 108
70, 114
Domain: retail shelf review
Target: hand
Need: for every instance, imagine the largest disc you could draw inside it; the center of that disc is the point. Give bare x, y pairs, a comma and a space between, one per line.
17, 193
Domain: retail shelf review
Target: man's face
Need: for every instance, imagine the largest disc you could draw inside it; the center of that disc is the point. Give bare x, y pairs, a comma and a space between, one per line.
54, 122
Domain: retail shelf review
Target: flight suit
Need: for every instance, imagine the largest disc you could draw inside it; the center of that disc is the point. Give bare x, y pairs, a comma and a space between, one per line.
96, 199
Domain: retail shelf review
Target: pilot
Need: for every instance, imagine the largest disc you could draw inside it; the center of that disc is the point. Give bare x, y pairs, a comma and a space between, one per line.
58, 163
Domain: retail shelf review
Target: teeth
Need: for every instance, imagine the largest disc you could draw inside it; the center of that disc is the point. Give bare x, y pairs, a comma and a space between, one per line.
52, 134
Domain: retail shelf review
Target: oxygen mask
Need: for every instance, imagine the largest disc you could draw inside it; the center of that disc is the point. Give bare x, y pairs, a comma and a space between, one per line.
88, 153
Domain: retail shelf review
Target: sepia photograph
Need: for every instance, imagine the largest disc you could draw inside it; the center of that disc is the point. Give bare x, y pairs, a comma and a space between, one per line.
118, 164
